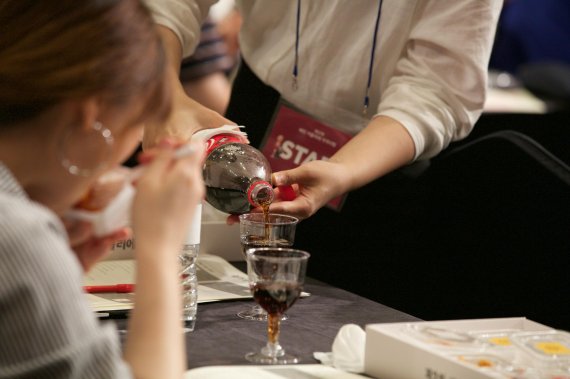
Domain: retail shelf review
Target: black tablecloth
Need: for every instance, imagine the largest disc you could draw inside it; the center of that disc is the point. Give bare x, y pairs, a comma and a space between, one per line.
221, 338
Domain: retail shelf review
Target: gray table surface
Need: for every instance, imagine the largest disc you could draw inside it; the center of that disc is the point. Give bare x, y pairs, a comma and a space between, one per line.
222, 338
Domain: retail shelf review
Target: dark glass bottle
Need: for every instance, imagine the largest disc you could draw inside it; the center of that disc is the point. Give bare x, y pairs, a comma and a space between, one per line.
237, 176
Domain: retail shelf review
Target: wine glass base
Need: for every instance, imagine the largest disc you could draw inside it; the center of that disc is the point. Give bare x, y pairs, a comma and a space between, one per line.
188, 325
257, 314
263, 359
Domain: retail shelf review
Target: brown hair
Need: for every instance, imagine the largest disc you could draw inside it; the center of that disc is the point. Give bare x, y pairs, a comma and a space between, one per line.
54, 50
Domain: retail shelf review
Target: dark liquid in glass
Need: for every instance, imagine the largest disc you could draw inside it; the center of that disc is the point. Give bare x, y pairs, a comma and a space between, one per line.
276, 297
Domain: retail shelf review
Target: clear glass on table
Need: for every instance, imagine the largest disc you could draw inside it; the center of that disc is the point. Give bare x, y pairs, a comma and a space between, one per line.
276, 278
265, 230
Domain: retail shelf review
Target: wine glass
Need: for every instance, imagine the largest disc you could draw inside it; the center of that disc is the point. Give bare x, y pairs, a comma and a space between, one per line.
264, 230
276, 276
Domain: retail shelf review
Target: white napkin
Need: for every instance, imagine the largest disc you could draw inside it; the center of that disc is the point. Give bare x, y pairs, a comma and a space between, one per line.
114, 216
347, 350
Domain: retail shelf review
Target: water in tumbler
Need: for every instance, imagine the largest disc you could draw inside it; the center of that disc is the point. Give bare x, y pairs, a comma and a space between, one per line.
189, 278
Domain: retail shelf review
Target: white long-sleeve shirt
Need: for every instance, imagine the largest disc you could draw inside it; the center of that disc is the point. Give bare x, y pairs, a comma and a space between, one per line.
430, 65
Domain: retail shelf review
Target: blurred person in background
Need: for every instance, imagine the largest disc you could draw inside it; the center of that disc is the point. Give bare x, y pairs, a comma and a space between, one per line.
205, 74
532, 31
532, 49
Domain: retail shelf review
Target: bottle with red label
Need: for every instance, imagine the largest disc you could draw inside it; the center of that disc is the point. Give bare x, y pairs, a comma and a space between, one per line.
237, 175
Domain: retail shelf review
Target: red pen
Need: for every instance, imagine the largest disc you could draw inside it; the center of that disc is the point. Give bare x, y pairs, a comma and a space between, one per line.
117, 288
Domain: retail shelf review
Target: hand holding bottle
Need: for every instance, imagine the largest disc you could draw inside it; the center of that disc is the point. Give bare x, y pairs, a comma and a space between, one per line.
187, 117
314, 184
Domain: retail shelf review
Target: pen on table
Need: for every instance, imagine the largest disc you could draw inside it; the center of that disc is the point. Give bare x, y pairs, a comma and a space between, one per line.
117, 288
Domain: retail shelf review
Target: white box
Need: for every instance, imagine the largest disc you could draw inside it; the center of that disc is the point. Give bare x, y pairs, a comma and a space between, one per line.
394, 353
221, 239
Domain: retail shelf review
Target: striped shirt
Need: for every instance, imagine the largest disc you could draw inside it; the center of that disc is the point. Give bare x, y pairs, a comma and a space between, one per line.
46, 327
210, 56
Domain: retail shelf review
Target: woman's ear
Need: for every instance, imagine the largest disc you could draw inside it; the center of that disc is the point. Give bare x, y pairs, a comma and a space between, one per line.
80, 113
88, 111
85, 146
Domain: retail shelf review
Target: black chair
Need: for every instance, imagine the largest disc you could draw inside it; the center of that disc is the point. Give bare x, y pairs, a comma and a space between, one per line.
505, 205
484, 231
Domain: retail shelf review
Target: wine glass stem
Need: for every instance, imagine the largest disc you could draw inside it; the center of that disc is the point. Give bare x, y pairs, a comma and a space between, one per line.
273, 323
273, 349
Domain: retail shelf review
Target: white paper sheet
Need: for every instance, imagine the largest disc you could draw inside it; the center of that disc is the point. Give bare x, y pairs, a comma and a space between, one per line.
217, 280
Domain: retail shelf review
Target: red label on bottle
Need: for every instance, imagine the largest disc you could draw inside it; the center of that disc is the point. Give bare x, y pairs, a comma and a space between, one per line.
221, 139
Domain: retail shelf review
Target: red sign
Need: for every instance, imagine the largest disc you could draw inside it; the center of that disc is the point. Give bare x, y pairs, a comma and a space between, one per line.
296, 138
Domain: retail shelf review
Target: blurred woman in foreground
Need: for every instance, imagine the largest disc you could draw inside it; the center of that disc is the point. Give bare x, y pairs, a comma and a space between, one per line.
77, 81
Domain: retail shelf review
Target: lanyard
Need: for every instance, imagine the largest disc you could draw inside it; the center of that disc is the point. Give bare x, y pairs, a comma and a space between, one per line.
371, 64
